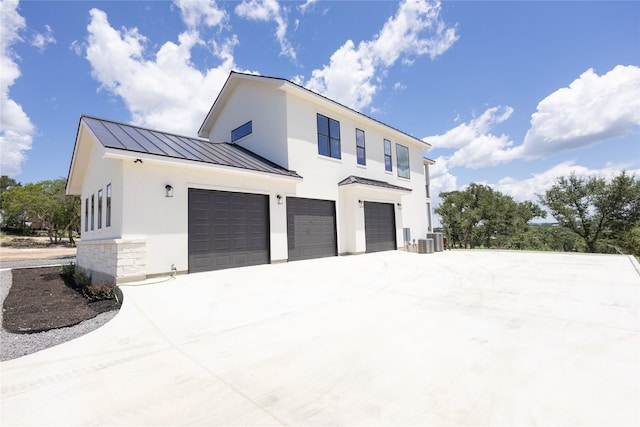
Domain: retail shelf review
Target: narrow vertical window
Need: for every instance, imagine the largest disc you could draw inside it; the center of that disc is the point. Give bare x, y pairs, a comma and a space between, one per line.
328, 137
108, 219
99, 209
93, 203
402, 157
360, 150
86, 214
387, 155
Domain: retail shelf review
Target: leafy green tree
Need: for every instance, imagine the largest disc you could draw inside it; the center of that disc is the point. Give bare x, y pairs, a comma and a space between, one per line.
602, 213
481, 216
6, 183
44, 205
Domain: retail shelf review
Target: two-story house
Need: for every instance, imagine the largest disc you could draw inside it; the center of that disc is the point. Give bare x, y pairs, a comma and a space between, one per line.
298, 176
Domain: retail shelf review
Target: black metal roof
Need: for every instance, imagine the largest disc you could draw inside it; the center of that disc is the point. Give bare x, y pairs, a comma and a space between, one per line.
372, 182
136, 139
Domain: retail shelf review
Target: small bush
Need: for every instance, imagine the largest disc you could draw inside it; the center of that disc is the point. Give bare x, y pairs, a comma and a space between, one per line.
81, 279
99, 292
68, 270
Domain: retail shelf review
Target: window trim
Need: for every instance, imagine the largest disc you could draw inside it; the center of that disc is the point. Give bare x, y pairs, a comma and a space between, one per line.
388, 166
330, 138
398, 146
363, 148
242, 131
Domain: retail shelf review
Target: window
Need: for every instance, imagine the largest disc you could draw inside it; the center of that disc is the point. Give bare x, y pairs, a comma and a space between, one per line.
360, 152
86, 214
92, 210
328, 137
242, 131
402, 157
99, 209
108, 219
387, 155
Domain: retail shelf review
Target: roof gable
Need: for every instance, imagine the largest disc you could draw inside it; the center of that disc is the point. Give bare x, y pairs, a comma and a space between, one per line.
236, 78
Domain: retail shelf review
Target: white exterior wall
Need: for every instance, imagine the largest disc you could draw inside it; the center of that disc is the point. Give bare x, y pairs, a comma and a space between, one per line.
97, 251
321, 174
265, 108
163, 221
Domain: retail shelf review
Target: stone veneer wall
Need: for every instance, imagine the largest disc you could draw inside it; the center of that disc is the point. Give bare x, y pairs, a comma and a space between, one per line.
114, 260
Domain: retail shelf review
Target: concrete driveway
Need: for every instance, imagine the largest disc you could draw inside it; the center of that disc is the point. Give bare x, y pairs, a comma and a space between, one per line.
391, 339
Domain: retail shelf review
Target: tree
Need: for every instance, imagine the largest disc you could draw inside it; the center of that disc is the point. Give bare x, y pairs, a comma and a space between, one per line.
44, 205
600, 213
5, 184
481, 216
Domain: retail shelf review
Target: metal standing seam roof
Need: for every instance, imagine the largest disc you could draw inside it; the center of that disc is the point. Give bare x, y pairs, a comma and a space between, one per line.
372, 182
135, 139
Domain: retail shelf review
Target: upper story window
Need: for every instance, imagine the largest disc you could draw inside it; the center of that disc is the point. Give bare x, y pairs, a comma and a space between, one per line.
360, 151
242, 131
108, 218
328, 137
387, 156
402, 157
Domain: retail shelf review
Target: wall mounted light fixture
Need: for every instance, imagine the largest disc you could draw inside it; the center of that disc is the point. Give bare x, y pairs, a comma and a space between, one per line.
168, 190
279, 197
360, 203
137, 161
399, 206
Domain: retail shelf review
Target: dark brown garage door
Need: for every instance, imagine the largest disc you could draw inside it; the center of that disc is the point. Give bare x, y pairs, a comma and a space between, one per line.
311, 228
227, 230
379, 226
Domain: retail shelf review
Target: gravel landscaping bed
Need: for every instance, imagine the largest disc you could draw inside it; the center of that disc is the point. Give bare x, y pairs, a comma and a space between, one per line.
16, 345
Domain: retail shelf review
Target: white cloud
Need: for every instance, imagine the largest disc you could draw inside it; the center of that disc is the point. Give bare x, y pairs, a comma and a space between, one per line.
440, 179
200, 12
476, 146
41, 40
16, 129
308, 4
591, 110
161, 89
538, 183
268, 10
353, 71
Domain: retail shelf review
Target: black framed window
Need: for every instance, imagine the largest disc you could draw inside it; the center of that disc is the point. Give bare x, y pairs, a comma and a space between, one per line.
86, 214
402, 158
242, 131
360, 149
99, 209
93, 203
328, 137
108, 216
387, 156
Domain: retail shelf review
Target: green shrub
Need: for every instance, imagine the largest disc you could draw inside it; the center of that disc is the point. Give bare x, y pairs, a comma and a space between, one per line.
99, 292
81, 278
68, 270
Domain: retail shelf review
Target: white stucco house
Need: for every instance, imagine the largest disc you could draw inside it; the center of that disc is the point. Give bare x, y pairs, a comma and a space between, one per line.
279, 173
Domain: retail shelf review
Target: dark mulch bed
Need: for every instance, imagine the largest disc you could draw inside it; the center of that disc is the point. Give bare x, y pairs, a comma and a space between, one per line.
39, 300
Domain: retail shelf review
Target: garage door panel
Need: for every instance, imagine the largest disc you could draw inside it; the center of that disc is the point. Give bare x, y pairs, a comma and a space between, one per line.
379, 226
227, 230
311, 228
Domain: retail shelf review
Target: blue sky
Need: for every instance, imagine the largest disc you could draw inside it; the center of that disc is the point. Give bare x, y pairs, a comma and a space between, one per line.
510, 94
